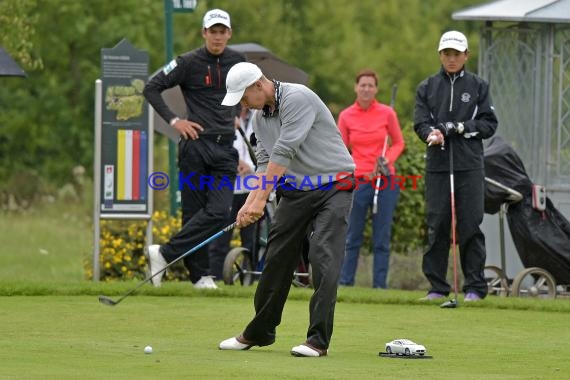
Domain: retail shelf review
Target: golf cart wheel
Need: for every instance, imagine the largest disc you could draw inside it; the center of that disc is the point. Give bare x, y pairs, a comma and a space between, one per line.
389, 350
497, 282
303, 277
534, 282
407, 352
238, 267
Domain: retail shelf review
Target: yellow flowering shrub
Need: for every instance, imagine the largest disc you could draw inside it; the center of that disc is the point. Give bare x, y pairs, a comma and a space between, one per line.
122, 245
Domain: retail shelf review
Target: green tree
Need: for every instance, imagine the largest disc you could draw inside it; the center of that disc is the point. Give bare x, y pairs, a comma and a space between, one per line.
46, 121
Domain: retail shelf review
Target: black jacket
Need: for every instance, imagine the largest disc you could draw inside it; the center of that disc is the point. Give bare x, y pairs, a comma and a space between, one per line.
202, 80
463, 97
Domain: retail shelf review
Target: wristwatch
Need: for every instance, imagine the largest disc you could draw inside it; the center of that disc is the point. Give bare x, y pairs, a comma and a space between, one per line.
173, 121
460, 128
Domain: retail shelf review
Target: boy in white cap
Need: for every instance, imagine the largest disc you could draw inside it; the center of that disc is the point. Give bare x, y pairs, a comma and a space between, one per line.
454, 107
205, 149
297, 139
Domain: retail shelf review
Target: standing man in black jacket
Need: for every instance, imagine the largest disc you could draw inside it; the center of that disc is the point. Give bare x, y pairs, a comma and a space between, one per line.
454, 107
206, 158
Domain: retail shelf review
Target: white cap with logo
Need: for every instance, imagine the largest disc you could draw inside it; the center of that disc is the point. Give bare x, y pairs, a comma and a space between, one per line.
241, 76
216, 16
453, 40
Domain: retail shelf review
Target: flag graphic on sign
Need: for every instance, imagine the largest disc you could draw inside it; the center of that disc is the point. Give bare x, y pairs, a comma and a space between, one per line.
131, 164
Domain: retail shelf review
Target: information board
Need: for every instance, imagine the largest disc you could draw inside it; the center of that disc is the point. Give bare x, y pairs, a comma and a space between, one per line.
125, 140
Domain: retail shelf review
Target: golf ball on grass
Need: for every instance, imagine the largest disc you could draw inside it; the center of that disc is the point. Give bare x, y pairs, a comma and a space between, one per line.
148, 350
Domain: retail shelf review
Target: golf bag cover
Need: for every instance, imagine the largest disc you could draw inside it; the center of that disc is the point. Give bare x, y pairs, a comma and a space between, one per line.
542, 238
503, 165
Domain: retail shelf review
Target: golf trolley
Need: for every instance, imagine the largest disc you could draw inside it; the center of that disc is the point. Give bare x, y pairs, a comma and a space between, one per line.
540, 232
245, 266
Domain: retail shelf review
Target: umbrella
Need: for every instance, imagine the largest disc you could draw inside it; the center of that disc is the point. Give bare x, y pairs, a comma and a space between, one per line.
9, 68
270, 64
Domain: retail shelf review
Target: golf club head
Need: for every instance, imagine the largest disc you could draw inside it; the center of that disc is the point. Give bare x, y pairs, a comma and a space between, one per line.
451, 304
107, 301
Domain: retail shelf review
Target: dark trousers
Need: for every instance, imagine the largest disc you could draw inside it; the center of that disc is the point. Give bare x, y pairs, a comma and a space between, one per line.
208, 170
326, 211
362, 201
469, 206
220, 247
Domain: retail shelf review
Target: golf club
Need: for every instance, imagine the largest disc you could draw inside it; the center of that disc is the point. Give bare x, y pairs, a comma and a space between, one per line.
250, 149
453, 303
110, 302
377, 189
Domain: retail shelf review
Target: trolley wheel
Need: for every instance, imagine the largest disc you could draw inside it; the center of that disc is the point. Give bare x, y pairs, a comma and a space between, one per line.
534, 282
238, 266
497, 282
303, 277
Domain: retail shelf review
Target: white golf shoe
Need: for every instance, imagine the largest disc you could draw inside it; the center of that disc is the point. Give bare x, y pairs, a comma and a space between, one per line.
206, 282
305, 350
234, 344
156, 263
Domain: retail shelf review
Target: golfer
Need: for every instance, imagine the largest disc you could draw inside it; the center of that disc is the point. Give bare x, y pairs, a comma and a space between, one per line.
454, 107
298, 140
205, 149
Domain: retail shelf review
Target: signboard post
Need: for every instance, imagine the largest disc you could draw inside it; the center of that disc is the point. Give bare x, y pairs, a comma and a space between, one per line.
123, 141
171, 6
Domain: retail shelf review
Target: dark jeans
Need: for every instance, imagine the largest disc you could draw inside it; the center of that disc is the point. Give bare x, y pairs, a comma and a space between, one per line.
205, 206
326, 211
469, 206
362, 202
220, 247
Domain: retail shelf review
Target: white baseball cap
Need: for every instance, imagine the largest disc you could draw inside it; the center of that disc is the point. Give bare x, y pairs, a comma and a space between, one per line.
216, 16
241, 76
453, 40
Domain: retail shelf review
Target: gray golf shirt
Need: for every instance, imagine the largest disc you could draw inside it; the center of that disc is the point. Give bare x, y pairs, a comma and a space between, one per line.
303, 137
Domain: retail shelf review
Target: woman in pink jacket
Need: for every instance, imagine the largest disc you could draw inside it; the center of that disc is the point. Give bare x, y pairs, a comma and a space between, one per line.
372, 133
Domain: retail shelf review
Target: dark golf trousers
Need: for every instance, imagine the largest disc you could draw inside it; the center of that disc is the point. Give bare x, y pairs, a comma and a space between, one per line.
469, 206
326, 213
207, 173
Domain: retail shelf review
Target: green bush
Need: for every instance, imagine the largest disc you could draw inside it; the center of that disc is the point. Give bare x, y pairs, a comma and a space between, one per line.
408, 229
121, 252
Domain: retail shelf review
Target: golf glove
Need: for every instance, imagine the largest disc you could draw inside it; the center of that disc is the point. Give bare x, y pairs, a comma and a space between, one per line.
382, 167
450, 128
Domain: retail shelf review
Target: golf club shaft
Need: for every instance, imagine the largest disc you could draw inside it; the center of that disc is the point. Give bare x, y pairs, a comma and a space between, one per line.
197, 247
250, 149
375, 199
453, 218
393, 98
377, 189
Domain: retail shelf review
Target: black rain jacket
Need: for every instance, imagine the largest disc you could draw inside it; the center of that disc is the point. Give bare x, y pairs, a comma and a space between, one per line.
460, 97
202, 80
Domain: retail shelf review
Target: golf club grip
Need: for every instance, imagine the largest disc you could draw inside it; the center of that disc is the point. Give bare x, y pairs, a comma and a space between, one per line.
249, 147
394, 93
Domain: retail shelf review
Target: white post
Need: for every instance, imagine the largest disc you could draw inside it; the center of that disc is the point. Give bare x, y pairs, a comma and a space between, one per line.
97, 179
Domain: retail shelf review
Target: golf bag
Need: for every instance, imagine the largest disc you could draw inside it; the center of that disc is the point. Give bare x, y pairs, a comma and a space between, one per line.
542, 238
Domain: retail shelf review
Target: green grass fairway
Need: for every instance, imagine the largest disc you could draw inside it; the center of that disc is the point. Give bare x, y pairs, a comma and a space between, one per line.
53, 327
71, 337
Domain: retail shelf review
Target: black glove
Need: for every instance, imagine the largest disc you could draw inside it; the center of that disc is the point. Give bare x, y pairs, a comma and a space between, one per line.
382, 167
450, 128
